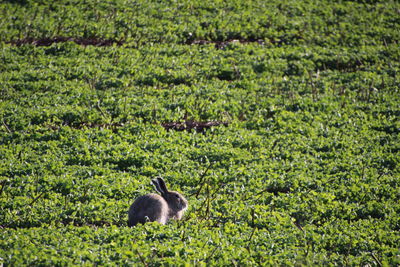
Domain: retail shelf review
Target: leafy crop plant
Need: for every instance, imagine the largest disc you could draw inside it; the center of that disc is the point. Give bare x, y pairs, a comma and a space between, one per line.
277, 120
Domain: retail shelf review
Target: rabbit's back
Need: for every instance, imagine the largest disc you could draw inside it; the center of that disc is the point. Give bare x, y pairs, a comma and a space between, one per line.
150, 207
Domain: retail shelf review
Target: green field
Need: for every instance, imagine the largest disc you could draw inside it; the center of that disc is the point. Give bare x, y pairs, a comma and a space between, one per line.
302, 166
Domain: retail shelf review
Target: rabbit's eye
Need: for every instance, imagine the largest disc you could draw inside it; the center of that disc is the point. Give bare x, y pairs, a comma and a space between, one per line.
177, 196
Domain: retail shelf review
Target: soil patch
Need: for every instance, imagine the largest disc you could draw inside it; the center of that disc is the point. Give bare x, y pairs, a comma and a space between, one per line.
192, 125
95, 41
223, 44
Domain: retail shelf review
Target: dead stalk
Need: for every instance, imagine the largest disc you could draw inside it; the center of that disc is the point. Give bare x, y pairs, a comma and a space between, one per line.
6, 126
202, 180
141, 258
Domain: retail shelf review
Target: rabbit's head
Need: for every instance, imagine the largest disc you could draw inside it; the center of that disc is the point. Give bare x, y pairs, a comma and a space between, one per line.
175, 200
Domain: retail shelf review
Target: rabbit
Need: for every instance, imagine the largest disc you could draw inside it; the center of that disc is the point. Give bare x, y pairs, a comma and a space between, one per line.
153, 207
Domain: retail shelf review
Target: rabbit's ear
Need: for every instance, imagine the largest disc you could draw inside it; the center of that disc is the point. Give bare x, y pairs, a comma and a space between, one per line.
162, 185
157, 186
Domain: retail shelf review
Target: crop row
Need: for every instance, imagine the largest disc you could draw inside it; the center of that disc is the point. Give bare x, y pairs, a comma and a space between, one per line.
141, 23
70, 85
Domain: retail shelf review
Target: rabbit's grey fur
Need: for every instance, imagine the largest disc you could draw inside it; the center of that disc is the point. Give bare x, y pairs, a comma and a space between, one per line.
153, 207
